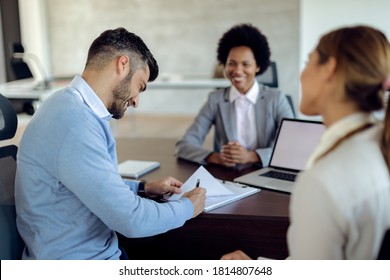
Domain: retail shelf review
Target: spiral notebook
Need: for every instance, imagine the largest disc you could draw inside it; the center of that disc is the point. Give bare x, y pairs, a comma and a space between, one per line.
136, 168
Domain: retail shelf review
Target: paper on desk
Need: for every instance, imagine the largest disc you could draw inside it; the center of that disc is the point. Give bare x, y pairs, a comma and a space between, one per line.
207, 181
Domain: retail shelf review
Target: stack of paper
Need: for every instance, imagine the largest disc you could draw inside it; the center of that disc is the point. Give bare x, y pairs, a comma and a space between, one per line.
219, 193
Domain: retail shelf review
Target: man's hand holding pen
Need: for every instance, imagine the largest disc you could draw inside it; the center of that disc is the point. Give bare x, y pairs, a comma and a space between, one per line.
197, 197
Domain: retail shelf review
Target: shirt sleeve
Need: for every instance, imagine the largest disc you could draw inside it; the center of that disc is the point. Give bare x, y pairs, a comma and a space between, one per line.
190, 146
86, 168
132, 184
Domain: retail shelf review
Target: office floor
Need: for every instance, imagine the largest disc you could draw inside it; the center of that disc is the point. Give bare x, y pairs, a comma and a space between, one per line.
133, 125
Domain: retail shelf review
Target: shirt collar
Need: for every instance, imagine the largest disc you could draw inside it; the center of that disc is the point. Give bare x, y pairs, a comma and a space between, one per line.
89, 97
251, 95
337, 131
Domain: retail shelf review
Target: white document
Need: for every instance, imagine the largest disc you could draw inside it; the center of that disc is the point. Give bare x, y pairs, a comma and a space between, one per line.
136, 168
219, 193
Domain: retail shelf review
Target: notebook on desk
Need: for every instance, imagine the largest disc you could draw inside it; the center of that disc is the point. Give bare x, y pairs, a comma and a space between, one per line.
294, 144
136, 168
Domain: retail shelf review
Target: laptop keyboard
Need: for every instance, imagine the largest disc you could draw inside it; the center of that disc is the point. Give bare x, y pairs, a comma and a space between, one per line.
280, 175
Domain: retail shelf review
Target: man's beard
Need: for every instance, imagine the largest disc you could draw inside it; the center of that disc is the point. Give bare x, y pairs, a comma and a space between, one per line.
121, 94
118, 107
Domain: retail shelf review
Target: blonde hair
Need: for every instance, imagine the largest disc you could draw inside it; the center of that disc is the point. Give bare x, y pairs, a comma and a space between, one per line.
362, 54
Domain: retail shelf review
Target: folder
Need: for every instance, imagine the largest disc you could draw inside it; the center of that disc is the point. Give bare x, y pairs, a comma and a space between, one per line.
136, 168
219, 193
239, 191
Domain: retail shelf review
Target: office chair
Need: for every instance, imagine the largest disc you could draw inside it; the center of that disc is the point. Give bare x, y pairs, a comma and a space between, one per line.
20, 68
384, 252
290, 101
270, 76
11, 244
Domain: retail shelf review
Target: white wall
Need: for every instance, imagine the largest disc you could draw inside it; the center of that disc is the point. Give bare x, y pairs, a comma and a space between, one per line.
183, 36
321, 16
34, 36
172, 27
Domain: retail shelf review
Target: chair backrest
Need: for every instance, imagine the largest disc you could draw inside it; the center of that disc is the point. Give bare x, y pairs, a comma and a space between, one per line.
19, 67
290, 101
270, 76
11, 243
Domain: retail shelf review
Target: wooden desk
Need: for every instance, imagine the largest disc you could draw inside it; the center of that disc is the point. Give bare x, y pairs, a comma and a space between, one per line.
257, 224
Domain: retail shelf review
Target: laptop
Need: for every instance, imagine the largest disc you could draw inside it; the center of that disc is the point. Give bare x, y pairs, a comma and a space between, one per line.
295, 141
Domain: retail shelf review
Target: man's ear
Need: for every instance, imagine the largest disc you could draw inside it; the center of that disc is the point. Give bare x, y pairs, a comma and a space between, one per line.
122, 63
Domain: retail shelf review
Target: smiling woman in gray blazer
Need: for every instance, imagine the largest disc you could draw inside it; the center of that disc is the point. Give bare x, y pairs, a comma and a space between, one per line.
247, 114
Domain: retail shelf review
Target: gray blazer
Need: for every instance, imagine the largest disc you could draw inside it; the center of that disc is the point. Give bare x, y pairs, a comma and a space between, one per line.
271, 107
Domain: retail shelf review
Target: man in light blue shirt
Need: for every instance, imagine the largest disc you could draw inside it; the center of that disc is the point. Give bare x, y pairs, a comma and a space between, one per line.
70, 199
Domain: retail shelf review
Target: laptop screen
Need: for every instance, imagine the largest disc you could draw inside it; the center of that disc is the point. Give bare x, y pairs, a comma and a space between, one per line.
295, 142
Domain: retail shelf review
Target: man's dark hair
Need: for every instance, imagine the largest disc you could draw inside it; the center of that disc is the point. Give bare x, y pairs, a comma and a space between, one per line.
119, 41
249, 36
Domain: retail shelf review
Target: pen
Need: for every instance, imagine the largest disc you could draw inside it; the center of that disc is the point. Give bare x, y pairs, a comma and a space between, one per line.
197, 183
235, 183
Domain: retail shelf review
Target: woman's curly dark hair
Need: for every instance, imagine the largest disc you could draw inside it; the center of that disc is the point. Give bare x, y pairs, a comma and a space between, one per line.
249, 36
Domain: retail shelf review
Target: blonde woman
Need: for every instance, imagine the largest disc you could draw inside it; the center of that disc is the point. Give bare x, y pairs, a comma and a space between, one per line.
340, 207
